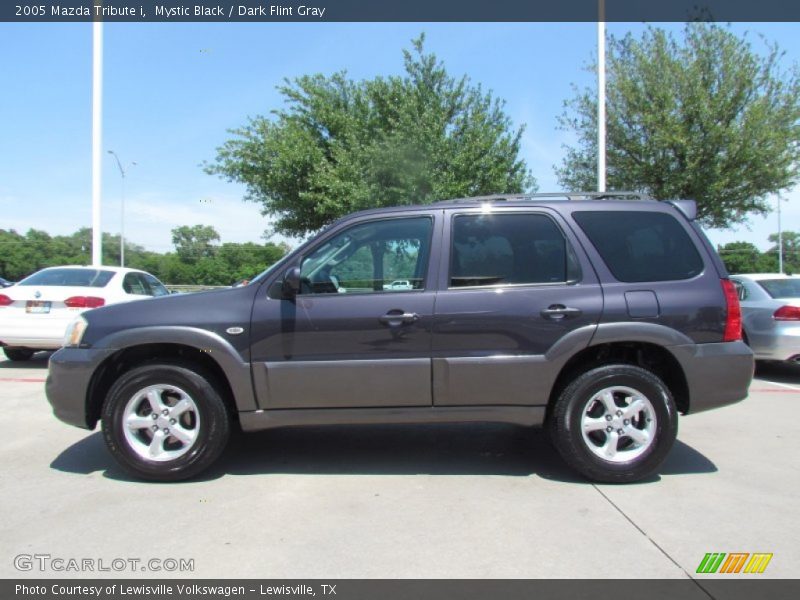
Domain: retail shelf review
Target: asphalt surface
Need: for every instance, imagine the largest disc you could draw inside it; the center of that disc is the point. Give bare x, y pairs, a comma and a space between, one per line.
454, 501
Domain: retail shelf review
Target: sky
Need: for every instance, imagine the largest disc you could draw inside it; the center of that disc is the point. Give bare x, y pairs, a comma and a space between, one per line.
173, 91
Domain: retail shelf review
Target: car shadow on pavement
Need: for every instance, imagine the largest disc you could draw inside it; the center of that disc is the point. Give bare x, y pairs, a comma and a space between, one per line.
37, 361
777, 371
441, 449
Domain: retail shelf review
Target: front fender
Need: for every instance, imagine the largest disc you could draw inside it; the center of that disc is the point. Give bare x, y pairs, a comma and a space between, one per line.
218, 349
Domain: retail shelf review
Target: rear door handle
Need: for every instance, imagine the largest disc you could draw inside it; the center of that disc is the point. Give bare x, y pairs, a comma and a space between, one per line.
557, 312
397, 318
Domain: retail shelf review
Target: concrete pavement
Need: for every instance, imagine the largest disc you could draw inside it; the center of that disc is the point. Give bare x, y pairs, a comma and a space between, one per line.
447, 501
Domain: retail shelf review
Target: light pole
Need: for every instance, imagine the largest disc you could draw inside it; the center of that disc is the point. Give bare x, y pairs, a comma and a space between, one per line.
601, 96
122, 171
97, 138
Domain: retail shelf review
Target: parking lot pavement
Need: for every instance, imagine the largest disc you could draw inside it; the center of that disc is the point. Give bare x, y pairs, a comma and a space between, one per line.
452, 501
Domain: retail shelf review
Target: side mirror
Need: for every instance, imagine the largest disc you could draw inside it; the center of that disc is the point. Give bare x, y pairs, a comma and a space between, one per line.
291, 283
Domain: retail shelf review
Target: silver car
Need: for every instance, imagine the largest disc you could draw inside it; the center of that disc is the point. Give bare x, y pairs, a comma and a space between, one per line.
771, 314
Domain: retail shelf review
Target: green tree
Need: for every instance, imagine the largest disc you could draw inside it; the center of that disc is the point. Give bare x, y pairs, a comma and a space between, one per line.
704, 118
13, 259
245, 261
791, 250
344, 145
740, 257
194, 243
22, 255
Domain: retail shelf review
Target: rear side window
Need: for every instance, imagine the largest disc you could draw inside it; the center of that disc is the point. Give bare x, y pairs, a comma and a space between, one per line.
503, 249
641, 246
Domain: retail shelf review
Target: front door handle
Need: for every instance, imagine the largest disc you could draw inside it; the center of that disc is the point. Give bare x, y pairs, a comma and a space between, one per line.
557, 312
394, 318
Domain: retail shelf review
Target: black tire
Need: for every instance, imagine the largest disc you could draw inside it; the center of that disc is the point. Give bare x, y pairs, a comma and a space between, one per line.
579, 402
211, 427
18, 354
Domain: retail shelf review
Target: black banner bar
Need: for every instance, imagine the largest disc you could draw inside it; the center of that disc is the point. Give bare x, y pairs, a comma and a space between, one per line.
314, 11
740, 588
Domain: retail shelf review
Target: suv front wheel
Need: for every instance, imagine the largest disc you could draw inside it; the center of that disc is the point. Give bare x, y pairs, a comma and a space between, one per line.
614, 424
165, 422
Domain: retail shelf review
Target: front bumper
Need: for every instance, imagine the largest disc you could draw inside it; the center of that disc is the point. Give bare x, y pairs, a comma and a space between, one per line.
717, 374
68, 379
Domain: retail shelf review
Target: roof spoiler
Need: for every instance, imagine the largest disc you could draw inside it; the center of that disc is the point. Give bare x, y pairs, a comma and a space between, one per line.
687, 207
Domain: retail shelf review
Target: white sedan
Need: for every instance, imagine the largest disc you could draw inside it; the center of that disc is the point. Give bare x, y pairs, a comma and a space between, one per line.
35, 313
770, 314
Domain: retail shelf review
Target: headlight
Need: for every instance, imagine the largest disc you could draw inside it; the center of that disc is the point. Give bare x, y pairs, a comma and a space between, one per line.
74, 334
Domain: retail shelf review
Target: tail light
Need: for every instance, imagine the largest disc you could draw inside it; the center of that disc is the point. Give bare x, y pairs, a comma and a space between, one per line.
5, 300
784, 313
84, 302
733, 321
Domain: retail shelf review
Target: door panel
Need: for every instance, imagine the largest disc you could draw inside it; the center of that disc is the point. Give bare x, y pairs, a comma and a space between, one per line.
490, 341
351, 339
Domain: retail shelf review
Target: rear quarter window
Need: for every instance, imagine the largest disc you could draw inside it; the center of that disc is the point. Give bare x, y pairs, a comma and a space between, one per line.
641, 246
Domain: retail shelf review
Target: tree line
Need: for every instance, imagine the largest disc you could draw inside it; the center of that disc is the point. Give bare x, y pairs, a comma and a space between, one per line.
744, 257
199, 257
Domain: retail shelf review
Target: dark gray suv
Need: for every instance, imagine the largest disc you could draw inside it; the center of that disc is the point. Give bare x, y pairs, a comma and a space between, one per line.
599, 318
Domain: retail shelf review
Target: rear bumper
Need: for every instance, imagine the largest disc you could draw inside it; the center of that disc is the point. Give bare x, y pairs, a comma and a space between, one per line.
780, 343
67, 386
717, 374
41, 332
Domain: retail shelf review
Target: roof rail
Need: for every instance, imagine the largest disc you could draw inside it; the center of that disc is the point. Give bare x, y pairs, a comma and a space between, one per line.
565, 195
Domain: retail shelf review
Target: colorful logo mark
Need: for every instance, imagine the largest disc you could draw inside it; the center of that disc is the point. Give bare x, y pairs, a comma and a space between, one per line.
734, 562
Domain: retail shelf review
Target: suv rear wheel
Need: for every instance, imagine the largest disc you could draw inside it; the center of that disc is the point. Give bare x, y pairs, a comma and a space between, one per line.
165, 422
614, 424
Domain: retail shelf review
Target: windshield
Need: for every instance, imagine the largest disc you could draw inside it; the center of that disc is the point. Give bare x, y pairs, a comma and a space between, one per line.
72, 277
781, 288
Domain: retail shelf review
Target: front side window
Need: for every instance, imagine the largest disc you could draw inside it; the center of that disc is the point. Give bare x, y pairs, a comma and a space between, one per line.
379, 256
506, 249
156, 287
133, 283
